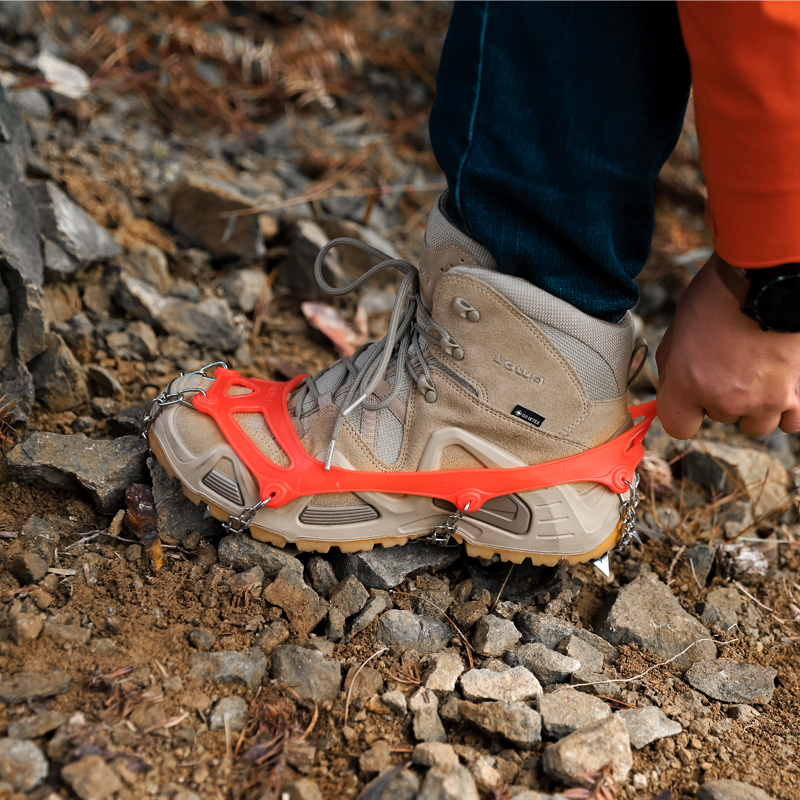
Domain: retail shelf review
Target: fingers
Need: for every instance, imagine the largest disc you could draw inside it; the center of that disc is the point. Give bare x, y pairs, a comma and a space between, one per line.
680, 416
790, 421
759, 425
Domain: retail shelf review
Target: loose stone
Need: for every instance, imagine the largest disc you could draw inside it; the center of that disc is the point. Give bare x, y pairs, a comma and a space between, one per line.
232, 710
311, 675
22, 764
246, 669
493, 635
566, 710
516, 722
91, 778
547, 665
725, 680
511, 685
588, 750
451, 782
645, 725
443, 671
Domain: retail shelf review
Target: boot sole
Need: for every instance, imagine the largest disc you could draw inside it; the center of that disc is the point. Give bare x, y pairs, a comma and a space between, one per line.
415, 518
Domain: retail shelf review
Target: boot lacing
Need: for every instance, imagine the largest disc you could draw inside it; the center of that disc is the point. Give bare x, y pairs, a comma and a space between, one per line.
409, 327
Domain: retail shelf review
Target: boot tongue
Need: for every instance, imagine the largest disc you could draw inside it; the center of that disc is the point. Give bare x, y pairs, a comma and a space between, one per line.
446, 247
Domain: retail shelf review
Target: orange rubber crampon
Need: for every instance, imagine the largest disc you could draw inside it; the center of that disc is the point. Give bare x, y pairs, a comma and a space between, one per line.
612, 464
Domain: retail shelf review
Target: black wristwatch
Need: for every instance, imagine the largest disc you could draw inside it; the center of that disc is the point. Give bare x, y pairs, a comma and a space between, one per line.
770, 296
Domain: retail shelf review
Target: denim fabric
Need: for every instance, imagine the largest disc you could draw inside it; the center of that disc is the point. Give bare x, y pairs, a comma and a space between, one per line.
551, 123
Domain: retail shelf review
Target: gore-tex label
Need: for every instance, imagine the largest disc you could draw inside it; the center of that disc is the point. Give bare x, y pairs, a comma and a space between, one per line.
528, 416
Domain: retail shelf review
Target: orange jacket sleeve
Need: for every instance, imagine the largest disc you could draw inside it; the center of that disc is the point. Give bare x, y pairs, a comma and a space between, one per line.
745, 59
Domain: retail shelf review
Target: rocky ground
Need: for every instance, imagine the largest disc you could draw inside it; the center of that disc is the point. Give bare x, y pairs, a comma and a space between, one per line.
240, 670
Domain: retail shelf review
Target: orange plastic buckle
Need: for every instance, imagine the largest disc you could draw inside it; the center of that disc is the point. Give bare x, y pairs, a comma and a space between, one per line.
612, 464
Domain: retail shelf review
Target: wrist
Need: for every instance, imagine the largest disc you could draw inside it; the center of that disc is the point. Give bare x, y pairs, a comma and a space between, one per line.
770, 296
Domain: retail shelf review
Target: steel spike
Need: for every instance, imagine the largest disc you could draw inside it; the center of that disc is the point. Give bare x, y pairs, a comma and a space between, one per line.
602, 564
207, 513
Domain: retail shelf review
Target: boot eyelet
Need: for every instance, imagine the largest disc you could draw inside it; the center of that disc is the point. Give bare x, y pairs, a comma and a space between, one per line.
466, 310
427, 388
452, 349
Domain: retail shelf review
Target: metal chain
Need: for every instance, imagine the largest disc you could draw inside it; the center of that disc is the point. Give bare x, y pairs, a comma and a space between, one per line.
627, 515
162, 401
167, 398
241, 522
443, 533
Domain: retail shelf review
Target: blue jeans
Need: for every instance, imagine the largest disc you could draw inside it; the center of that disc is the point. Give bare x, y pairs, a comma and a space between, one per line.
551, 123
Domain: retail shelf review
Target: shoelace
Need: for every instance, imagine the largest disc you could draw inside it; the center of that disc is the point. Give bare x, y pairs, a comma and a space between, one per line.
409, 327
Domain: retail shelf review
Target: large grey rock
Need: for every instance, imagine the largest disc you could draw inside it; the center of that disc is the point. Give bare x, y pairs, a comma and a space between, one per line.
296, 274
512, 685
16, 385
493, 635
402, 628
25, 686
178, 518
588, 750
58, 378
543, 628
72, 228
646, 613
645, 725
21, 263
730, 790
209, 323
242, 552
547, 665
91, 778
308, 672
198, 208
725, 680
448, 782
381, 568
245, 669
516, 722
22, 764
304, 607
763, 476
104, 468
565, 711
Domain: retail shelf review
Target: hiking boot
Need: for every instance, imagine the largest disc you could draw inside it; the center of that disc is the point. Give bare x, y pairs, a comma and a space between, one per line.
479, 371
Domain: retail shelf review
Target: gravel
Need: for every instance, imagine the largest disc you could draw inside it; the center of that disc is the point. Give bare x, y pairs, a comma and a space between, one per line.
444, 669
91, 778
304, 607
730, 790
242, 552
451, 782
232, 709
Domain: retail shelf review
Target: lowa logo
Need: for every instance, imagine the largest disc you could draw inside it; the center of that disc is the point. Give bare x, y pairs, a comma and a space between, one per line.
523, 373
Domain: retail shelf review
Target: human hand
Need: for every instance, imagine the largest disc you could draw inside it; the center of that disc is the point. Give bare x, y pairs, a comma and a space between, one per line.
714, 360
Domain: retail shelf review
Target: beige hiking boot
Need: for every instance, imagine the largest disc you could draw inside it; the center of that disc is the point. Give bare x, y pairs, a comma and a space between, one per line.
479, 370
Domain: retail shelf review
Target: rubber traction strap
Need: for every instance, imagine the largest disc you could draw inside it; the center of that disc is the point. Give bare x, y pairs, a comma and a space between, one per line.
613, 464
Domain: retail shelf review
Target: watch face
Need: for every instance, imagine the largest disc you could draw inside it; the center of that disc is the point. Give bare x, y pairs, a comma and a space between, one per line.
776, 305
